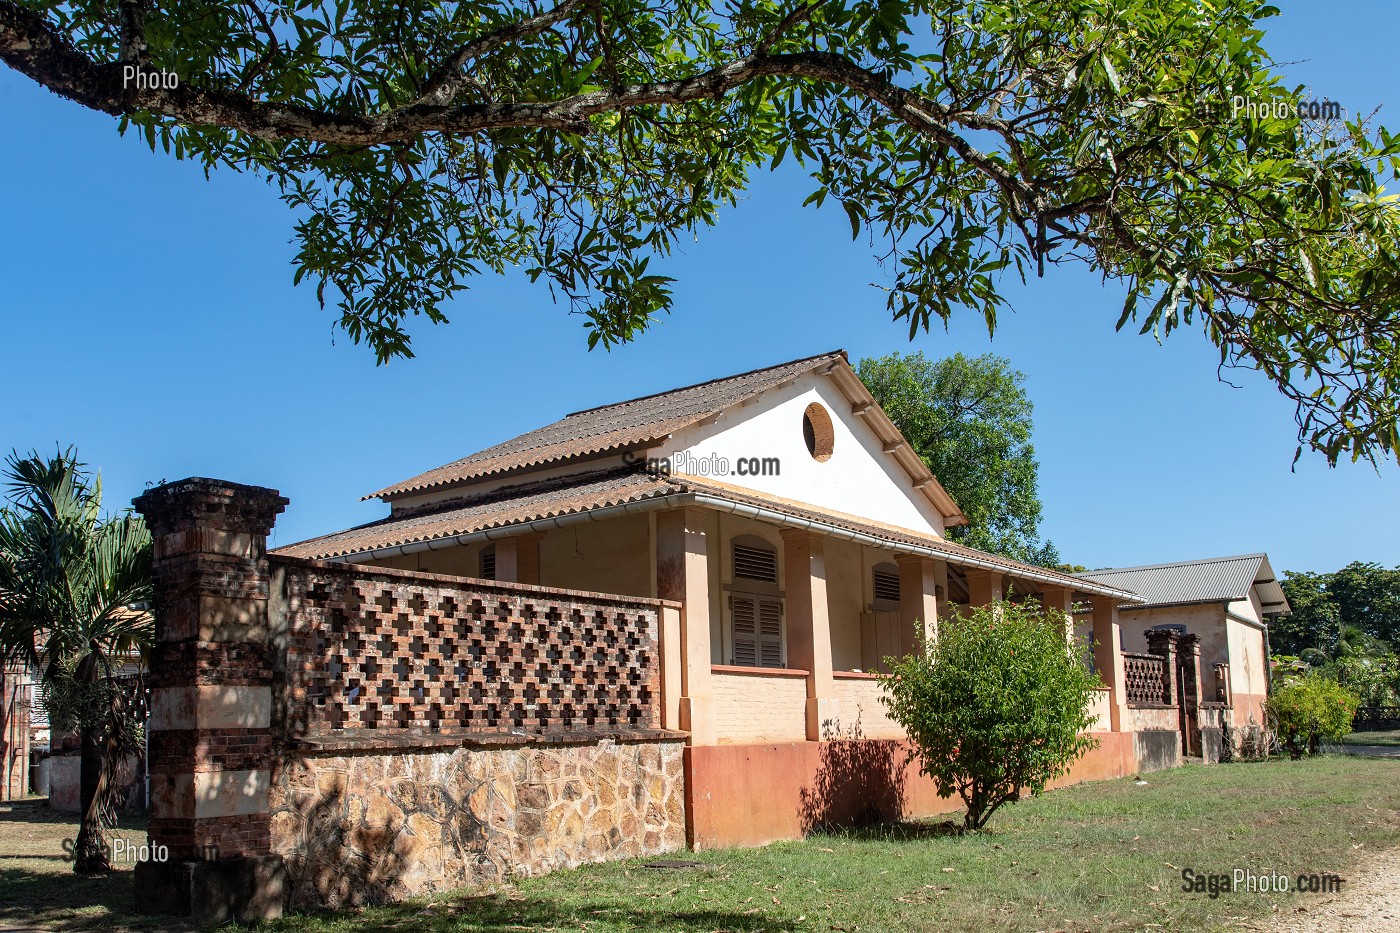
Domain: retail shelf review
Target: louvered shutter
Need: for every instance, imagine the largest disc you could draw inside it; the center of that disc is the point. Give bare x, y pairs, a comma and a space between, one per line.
756, 630
744, 629
770, 633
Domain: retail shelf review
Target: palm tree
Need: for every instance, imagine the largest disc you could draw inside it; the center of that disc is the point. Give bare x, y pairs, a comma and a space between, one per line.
68, 577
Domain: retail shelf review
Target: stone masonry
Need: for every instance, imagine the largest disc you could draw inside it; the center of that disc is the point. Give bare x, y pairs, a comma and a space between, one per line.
358, 828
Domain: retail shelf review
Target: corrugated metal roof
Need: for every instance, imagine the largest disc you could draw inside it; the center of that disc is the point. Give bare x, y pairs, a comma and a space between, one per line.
1218, 579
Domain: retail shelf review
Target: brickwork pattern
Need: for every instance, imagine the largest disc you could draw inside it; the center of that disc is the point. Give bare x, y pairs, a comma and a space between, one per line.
388, 652
1144, 676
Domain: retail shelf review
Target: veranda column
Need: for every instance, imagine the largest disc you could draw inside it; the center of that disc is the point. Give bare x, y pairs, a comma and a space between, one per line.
918, 600
808, 623
1061, 599
683, 574
1108, 658
518, 558
984, 586
209, 734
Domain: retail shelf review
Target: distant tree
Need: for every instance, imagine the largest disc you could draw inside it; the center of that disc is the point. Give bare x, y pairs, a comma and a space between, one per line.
1354, 610
1310, 710
972, 143
969, 419
995, 706
68, 574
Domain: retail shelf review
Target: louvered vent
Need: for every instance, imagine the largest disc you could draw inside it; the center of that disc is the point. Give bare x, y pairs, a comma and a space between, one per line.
887, 585
488, 564
752, 563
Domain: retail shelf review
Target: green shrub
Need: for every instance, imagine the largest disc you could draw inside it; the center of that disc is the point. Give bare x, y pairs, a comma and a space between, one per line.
995, 707
1308, 710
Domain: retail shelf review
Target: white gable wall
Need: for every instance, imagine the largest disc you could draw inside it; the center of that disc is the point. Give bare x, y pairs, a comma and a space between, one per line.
859, 479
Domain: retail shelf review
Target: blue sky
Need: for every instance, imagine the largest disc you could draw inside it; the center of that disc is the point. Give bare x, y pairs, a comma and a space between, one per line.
149, 318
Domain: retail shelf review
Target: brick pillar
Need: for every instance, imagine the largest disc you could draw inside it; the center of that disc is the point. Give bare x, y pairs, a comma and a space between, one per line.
1188, 654
809, 624
209, 735
683, 574
984, 586
518, 558
918, 601
1163, 643
1108, 659
1060, 599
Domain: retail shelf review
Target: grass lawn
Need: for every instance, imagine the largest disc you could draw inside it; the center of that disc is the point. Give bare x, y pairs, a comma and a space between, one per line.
1097, 857
1373, 738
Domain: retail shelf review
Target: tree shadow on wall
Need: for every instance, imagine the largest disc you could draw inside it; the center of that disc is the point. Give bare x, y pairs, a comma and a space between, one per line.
344, 865
859, 783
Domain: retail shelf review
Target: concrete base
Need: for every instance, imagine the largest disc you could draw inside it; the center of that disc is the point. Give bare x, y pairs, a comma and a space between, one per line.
211, 893
749, 795
1157, 749
1212, 744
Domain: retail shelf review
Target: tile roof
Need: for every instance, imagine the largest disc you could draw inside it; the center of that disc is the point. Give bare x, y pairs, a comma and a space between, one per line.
610, 428
552, 499
1218, 579
471, 514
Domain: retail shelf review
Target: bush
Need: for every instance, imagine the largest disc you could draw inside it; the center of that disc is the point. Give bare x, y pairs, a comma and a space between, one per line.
1309, 710
995, 707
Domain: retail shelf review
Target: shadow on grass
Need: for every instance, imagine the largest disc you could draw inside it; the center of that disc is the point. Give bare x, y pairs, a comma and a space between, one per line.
903, 831
37, 885
511, 911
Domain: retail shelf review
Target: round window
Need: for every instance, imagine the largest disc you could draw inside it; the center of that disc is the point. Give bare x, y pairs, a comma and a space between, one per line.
817, 431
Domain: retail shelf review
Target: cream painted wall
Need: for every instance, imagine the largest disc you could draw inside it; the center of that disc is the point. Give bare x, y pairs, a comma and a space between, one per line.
1207, 621
859, 478
610, 556
1248, 664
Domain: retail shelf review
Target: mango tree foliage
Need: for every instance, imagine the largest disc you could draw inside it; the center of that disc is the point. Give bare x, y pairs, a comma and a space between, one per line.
422, 143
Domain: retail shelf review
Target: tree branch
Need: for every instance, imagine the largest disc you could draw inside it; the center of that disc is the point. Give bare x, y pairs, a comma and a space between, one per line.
32, 46
447, 81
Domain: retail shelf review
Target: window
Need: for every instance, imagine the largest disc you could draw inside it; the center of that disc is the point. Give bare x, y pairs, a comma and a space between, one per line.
817, 432
755, 604
488, 562
757, 630
886, 582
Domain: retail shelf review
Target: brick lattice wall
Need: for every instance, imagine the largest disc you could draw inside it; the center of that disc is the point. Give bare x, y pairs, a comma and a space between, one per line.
1144, 678
394, 651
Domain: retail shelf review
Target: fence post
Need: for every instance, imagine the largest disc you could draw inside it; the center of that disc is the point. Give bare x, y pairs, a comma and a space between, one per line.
209, 732
1162, 642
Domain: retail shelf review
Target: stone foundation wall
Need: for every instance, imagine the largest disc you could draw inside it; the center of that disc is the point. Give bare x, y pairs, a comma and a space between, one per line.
362, 826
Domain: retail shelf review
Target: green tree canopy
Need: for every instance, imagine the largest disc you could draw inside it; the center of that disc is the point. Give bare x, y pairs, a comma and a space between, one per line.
969, 419
421, 143
1339, 613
